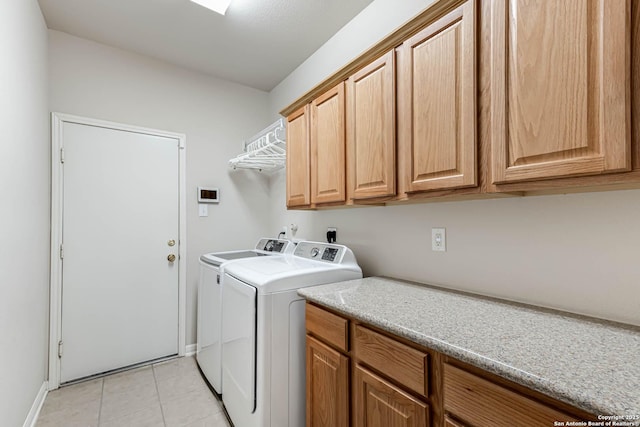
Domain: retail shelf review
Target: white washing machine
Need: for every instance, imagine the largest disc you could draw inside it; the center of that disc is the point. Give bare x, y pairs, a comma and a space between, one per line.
209, 322
263, 331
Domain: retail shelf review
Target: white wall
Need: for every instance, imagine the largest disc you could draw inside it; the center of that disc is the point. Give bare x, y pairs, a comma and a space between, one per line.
24, 208
573, 252
376, 21
94, 80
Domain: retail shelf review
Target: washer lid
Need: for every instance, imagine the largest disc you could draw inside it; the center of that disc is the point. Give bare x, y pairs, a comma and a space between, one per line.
265, 246
217, 258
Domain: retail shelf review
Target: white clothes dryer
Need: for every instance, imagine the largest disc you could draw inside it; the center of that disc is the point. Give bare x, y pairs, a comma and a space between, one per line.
263, 331
209, 316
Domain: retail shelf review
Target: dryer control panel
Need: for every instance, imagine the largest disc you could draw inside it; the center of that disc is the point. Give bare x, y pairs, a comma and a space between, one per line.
320, 252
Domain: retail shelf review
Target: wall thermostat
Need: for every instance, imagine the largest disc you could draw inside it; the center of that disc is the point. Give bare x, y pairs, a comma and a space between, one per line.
208, 195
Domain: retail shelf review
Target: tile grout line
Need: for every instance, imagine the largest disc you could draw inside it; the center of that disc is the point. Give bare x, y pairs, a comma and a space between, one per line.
155, 381
101, 400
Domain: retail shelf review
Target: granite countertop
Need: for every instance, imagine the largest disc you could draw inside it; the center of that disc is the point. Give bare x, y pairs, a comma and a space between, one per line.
590, 364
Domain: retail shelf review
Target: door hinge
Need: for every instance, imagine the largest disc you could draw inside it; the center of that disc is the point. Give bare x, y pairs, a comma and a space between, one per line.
60, 348
61, 251
218, 279
61, 154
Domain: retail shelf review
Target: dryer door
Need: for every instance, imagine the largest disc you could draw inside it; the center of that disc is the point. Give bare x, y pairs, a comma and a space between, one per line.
238, 345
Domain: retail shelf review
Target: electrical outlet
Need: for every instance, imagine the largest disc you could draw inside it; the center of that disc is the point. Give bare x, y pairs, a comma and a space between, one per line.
438, 240
332, 234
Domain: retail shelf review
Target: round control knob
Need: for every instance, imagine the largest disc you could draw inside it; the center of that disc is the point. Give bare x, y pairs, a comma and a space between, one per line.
314, 252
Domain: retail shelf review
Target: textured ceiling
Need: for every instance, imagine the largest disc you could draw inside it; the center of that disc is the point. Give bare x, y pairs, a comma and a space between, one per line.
257, 43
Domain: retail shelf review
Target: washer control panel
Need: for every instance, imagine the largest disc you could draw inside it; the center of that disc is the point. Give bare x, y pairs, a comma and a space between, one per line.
273, 245
320, 252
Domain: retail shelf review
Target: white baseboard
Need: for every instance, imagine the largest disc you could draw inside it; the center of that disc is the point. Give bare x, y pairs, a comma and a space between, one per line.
190, 349
32, 417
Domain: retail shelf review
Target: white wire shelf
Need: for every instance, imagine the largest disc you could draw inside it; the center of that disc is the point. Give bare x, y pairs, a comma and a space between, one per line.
266, 151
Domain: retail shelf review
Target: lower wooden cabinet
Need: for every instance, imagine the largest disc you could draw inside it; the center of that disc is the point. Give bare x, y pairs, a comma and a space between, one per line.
362, 377
482, 403
330, 328
389, 379
327, 386
380, 403
399, 362
448, 422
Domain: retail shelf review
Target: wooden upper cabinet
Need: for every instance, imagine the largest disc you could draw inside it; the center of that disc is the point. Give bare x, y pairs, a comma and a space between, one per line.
437, 104
328, 147
371, 130
298, 164
559, 74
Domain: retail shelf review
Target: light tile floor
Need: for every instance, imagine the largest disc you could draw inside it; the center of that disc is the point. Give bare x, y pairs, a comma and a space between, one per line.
168, 394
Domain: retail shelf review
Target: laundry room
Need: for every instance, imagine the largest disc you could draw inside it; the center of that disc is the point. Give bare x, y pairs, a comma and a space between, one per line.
428, 208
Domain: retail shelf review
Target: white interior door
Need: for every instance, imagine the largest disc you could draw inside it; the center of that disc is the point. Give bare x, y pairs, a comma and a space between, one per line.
120, 210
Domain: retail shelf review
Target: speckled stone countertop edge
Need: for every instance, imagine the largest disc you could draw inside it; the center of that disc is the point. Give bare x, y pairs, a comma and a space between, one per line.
505, 371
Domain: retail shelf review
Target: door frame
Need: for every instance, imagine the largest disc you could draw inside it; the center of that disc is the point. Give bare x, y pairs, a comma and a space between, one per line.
55, 292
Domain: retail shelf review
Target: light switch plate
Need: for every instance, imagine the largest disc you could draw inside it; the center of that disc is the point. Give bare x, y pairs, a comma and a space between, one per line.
438, 240
203, 210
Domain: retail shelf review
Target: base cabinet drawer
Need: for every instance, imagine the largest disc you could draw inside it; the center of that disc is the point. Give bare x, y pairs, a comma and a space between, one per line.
407, 365
482, 403
448, 422
380, 403
329, 327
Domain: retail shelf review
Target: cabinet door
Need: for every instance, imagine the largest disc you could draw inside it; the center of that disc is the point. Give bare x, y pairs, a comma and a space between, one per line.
298, 165
327, 386
559, 92
328, 147
379, 403
437, 104
371, 130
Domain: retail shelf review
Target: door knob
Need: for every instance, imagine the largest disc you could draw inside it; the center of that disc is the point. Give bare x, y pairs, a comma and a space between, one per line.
171, 242
171, 257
